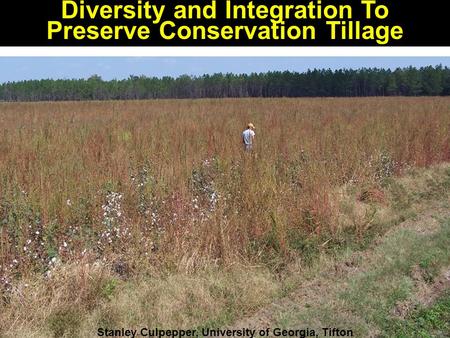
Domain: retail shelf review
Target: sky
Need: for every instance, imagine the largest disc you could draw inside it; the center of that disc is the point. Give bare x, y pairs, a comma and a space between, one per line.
26, 68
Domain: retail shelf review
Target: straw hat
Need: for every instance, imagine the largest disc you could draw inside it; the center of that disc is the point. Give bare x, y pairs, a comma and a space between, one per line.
251, 126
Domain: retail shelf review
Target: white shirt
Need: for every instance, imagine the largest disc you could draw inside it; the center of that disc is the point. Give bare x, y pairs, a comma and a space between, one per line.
247, 136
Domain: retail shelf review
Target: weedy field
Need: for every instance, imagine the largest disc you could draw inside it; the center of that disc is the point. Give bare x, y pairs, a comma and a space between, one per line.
146, 196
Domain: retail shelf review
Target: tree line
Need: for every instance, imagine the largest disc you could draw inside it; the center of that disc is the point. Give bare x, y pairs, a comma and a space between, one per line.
410, 81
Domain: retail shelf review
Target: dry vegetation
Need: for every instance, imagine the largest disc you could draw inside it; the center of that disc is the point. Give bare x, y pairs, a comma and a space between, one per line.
128, 190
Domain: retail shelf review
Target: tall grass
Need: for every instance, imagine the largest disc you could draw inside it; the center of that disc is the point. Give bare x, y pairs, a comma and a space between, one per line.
151, 186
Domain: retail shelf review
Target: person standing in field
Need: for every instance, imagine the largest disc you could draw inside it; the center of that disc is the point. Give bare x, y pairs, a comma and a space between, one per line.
248, 137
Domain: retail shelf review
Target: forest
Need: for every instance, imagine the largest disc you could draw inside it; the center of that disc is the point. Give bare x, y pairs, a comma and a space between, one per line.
410, 81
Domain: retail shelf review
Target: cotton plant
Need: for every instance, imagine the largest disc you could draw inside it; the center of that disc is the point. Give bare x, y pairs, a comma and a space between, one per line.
112, 217
206, 195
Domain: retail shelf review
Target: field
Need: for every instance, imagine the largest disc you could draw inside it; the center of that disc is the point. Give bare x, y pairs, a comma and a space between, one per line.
98, 196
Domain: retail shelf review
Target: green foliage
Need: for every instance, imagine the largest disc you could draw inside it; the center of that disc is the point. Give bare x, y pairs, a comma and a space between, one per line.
111, 185
392, 279
424, 322
125, 136
430, 264
108, 288
308, 247
50, 239
318, 82
401, 199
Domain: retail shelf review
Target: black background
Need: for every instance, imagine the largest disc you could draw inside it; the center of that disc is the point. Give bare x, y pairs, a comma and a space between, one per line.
24, 23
